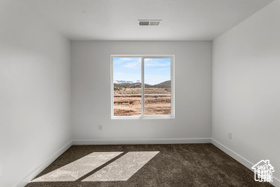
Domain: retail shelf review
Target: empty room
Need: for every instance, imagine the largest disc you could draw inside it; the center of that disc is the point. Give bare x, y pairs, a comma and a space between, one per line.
139, 93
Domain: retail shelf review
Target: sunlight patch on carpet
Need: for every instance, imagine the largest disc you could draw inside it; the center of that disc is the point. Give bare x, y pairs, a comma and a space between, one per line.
123, 168
78, 168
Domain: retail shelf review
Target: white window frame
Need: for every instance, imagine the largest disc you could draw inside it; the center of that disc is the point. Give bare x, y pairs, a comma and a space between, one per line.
143, 116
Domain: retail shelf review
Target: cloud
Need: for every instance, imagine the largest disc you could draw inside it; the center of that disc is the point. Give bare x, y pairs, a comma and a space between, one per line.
156, 63
128, 62
119, 60
129, 59
132, 65
131, 62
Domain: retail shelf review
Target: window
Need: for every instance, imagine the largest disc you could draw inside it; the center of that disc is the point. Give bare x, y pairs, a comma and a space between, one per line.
142, 87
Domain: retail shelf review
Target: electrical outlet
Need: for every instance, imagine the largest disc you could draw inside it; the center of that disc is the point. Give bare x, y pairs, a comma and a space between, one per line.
100, 127
230, 135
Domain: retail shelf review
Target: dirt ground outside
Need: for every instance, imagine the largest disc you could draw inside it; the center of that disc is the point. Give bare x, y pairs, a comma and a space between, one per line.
127, 101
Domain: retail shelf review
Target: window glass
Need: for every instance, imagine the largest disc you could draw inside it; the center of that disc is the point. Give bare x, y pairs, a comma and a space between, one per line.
127, 86
157, 78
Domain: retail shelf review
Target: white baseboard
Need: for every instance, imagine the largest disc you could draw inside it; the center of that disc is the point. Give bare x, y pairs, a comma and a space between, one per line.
141, 141
240, 159
43, 166
233, 154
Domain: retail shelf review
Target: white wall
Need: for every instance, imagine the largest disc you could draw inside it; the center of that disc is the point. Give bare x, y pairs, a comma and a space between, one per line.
91, 102
34, 92
246, 87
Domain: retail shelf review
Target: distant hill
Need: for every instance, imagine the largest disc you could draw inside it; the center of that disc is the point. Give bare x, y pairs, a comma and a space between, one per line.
165, 84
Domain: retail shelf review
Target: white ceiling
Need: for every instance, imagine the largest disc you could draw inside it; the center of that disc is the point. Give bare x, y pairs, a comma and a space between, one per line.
118, 19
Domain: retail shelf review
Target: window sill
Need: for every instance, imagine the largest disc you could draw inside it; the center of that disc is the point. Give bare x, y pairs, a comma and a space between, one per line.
142, 117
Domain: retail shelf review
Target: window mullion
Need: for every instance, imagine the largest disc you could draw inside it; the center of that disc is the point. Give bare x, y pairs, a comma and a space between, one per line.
143, 86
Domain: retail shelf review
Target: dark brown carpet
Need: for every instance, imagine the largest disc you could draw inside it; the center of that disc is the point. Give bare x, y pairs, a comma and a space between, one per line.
175, 165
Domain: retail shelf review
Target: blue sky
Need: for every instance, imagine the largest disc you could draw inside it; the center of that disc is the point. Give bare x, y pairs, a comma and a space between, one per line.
129, 69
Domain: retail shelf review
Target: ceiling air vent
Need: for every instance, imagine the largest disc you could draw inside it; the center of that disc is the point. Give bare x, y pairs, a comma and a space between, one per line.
149, 22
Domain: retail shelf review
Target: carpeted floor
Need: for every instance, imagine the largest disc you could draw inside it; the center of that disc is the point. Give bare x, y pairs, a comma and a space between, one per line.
145, 165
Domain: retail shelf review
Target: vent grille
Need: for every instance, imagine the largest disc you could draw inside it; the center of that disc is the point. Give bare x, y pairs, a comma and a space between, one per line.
150, 22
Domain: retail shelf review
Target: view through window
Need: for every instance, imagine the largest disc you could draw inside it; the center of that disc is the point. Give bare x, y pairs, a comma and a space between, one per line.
142, 86
157, 86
